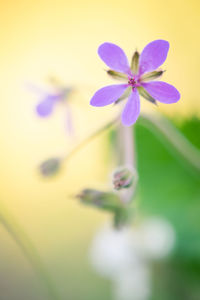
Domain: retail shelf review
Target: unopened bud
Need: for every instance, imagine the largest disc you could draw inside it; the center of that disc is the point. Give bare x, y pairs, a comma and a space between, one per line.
50, 167
103, 200
123, 179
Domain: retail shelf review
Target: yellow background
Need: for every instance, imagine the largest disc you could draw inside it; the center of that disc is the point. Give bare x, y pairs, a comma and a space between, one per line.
39, 39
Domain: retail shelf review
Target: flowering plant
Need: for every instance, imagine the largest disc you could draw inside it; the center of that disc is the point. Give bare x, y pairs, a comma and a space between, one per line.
139, 78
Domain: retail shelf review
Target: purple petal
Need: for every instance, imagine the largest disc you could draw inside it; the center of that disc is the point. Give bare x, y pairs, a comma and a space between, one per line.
114, 57
108, 94
162, 91
153, 56
45, 107
132, 109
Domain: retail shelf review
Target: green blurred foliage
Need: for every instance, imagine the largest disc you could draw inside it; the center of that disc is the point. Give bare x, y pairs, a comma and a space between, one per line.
170, 189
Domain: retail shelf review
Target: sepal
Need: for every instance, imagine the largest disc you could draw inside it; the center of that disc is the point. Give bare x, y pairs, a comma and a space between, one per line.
146, 95
124, 95
117, 75
151, 76
135, 62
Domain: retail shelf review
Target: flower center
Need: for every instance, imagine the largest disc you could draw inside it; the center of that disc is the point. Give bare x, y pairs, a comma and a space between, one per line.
132, 82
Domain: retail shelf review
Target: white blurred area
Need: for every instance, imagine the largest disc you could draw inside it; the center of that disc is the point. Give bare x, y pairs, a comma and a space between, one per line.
124, 256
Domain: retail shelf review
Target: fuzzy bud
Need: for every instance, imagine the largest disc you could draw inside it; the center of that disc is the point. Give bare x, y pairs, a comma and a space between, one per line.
123, 179
50, 167
103, 200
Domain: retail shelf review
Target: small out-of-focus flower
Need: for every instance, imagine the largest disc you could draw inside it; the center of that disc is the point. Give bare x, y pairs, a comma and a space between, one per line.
50, 167
114, 255
139, 78
46, 106
49, 100
123, 179
158, 238
125, 255
111, 251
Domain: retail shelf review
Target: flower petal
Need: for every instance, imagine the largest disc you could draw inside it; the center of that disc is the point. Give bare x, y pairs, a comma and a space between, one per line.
114, 57
45, 107
162, 91
153, 56
108, 94
132, 109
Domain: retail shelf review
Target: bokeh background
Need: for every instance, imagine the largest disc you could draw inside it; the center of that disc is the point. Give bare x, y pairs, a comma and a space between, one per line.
41, 39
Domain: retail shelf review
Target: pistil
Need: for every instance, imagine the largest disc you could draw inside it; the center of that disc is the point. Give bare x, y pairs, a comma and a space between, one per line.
132, 82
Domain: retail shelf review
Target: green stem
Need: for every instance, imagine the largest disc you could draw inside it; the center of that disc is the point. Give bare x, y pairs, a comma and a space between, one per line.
29, 251
90, 138
127, 157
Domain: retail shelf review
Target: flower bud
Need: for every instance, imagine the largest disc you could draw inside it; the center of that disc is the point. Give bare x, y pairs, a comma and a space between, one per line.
103, 200
50, 167
123, 179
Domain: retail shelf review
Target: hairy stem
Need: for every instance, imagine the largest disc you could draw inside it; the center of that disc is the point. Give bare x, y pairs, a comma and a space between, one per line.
90, 138
127, 157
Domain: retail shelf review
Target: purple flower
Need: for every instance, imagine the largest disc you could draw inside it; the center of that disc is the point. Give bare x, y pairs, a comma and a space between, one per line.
138, 77
48, 102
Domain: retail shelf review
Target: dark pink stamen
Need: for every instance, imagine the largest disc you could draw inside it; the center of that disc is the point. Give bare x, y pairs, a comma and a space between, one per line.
132, 82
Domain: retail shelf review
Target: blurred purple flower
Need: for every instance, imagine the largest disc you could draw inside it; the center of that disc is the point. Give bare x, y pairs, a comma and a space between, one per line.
138, 76
46, 105
49, 101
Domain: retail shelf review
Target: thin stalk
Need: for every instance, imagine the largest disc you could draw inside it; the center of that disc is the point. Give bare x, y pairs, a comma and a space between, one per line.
28, 249
90, 138
127, 158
